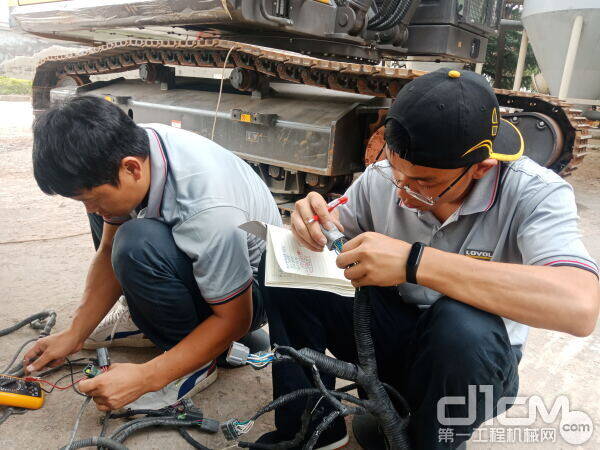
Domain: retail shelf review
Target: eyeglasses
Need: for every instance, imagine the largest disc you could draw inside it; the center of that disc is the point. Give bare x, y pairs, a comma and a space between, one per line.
429, 201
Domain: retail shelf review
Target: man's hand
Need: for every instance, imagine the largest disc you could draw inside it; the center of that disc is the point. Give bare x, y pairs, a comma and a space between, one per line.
121, 385
310, 235
380, 260
51, 351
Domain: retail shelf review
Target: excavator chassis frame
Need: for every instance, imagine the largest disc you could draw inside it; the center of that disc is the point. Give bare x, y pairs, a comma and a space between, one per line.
377, 81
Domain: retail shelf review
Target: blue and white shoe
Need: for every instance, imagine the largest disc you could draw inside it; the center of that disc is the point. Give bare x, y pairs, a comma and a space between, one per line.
179, 389
117, 330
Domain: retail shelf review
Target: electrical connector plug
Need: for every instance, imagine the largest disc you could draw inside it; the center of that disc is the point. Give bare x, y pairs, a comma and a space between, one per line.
233, 428
210, 426
335, 239
260, 360
103, 358
91, 371
228, 428
237, 354
185, 410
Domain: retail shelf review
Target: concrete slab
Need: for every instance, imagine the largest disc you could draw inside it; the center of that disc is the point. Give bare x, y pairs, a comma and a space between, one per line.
45, 247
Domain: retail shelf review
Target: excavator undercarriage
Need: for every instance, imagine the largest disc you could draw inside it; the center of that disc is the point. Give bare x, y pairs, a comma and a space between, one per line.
304, 123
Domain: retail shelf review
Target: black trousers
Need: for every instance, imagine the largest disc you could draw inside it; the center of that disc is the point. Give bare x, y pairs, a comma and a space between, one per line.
425, 354
158, 281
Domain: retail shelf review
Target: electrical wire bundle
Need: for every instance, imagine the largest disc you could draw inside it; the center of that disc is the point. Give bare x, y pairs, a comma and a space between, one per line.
180, 416
336, 402
54, 385
234, 428
43, 321
184, 415
389, 13
260, 360
102, 354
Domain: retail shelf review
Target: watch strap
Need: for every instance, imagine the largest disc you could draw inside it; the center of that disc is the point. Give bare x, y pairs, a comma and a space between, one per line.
412, 263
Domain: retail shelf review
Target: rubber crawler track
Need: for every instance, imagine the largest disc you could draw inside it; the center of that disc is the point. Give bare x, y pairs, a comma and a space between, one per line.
365, 79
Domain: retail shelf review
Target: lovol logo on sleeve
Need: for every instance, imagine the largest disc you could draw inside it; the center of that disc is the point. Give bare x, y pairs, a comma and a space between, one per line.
486, 255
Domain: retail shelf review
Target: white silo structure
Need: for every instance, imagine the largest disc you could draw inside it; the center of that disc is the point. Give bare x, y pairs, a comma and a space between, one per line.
565, 37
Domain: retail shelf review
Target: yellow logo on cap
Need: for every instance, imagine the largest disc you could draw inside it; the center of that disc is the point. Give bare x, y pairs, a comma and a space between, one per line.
489, 146
486, 143
454, 74
494, 122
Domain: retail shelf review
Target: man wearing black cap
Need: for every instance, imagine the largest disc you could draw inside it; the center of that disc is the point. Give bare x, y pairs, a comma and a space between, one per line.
469, 243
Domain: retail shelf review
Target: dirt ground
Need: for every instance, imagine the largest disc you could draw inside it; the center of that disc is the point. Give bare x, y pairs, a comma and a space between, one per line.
45, 247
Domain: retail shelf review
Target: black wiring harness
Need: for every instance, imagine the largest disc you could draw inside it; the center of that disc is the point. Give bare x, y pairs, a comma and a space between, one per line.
43, 321
184, 415
363, 375
181, 416
389, 13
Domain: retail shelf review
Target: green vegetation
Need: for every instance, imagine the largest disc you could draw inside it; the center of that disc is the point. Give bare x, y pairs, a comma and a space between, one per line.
511, 54
14, 86
512, 10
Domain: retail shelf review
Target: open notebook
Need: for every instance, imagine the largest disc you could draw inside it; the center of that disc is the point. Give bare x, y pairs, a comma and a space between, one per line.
288, 264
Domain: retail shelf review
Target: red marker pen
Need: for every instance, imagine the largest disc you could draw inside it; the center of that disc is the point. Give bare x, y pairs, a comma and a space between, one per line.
330, 207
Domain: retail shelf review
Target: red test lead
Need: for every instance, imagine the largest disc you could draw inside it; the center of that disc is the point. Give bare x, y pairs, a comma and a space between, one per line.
60, 388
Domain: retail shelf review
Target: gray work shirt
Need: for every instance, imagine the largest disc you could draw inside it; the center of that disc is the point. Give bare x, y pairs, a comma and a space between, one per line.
204, 192
519, 212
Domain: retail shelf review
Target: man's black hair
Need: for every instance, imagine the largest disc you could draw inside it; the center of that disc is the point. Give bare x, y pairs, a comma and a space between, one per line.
397, 138
79, 145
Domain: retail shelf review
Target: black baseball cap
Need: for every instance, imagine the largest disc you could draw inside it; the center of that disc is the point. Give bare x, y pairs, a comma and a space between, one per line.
448, 119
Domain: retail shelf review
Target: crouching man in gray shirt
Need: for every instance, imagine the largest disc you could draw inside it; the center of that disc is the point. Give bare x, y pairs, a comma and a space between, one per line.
165, 205
466, 245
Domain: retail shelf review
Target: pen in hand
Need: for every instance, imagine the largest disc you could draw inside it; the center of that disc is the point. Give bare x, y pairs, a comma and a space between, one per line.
330, 207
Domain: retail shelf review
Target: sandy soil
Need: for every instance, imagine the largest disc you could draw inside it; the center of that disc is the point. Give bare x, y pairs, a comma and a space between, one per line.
45, 248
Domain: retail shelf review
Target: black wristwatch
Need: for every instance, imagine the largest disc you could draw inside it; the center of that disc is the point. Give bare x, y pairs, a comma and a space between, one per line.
412, 264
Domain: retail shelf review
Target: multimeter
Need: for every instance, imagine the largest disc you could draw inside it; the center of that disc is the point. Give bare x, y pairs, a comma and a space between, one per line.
20, 393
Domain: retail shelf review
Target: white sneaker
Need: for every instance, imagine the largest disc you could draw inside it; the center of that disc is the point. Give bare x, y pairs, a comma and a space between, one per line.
117, 330
184, 387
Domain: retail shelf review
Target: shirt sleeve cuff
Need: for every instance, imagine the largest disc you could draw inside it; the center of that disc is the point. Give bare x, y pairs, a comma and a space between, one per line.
116, 220
230, 296
572, 261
